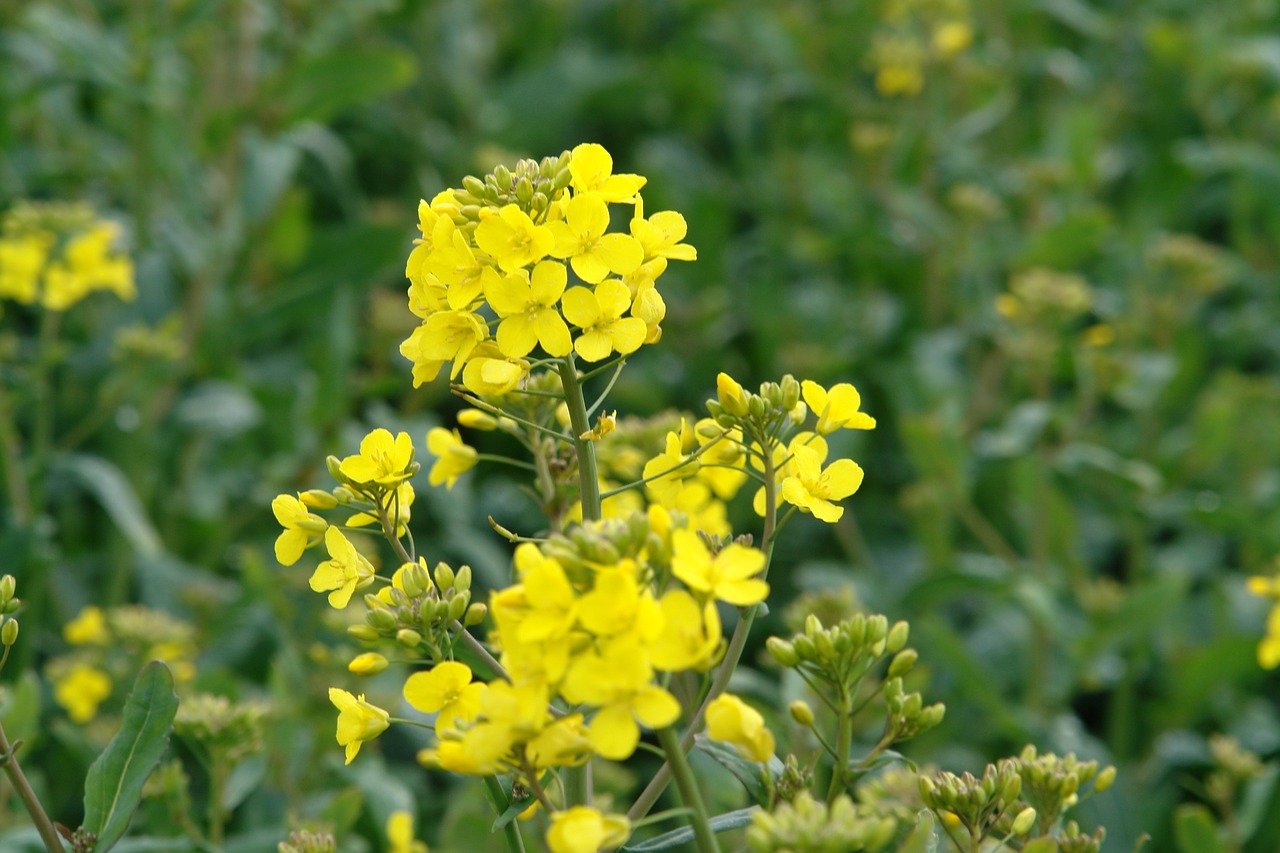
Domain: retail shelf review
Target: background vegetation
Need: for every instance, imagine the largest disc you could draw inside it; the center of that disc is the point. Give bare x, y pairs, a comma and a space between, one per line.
1051, 272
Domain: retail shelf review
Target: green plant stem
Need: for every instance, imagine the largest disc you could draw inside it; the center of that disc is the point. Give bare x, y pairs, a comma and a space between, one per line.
589, 479
42, 389
44, 826
732, 654
11, 452
217, 780
844, 741
703, 837
515, 843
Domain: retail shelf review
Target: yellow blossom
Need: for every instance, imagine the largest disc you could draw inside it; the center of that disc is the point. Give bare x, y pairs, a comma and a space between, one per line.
733, 721
358, 721
837, 408
346, 569
489, 373
592, 253
592, 169
951, 38
383, 460
660, 236
453, 457
302, 528
447, 691
599, 315
691, 636
81, 690
728, 576
619, 682
513, 240
813, 488
582, 829
400, 834
89, 628
527, 305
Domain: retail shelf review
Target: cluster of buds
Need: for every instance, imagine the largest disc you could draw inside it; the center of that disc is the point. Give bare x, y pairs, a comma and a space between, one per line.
791, 782
1233, 765
304, 841
760, 416
981, 806
419, 610
1073, 840
806, 825
225, 730
842, 654
608, 542
530, 186
8, 606
907, 715
1052, 784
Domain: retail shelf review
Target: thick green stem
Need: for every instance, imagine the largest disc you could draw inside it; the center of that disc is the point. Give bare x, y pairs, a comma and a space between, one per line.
44, 826
515, 843
703, 837
580, 423
732, 654
844, 741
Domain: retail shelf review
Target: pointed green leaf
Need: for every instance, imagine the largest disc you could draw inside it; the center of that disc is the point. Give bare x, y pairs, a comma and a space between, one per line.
746, 772
1195, 831
113, 787
719, 823
923, 839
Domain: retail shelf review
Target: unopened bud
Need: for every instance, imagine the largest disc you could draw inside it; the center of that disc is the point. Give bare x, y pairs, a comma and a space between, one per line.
730, 395
8, 587
369, 663
363, 632
1105, 779
801, 712
1024, 821
902, 663
334, 466
318, 499
381, 619
475, 614
812, 625
478, 420
462, 579
444, 577
782, 651
408, 638
756, 407
9, 633
502, 175
897, 637
790, 392
458, 606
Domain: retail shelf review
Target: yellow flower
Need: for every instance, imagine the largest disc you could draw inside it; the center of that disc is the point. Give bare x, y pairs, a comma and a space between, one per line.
449, 336
447, 691
951, 38
400, 834
619, 682
660, 236
21, 260
369, 663
733, 721
513, 240
489, 373
81, 690
592, 169
582, 829
592, 253
527, 305
89, 628
691, 636
382, 459
453, 457
1269, 647
302, 528
837, 408
729, 576
346, 569
599, 315
813, 488
358, 721
731, 396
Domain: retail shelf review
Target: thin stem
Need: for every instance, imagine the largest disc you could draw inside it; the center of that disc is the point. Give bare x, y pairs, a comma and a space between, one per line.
515, 843
11, 452
491, 409
703, 837
504, 460
844, 739
44, 826
658, 476
591, 410
588, 478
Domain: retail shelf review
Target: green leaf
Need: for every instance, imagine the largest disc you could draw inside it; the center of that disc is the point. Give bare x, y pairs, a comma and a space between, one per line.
923, 839
746, 772
1195, 830
719, 823
108, 484
113, 787
512, 811
323, 87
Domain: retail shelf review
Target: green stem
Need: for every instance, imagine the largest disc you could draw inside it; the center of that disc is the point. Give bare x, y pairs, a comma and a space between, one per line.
703, 837
515, 843
42, 429
732, 654
44, 826
844, 740
588, 478
11, 456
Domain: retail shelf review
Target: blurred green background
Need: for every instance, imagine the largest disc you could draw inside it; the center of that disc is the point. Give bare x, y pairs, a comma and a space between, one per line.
1040, 236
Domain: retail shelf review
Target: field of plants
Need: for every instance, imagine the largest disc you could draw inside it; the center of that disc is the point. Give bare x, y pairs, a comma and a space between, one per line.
596, 506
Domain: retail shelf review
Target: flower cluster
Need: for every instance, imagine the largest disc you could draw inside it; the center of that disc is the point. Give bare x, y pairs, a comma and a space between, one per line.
915, 33
491, 279
57, 254
1269, 646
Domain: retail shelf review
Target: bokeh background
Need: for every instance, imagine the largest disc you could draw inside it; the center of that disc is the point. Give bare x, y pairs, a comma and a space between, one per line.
1040, 236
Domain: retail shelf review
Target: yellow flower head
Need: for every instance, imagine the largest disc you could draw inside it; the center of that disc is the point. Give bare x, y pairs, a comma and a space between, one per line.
592, 171
599, 315
453, 457
89, 628
592, 253
728, 576
813, 488
400, 834
513, 240
733, 721
582, 829
302, 528
691, 637
527, 305
81, 690
346, 569
383, 460
447, 691
619, 682
358, 721
837, 408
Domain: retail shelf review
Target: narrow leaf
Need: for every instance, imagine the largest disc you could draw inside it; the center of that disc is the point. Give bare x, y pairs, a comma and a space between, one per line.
746, 772
113, 787
719, 823
1195, 831
512, 812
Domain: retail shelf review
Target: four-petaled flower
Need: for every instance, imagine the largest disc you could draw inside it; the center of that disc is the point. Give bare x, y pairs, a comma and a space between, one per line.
728, 576
733, 721
453, 457
513, 239
592, 253
527, 305
837, 408
447, 691
358, 721
812, 488
599, 315
302, 527
346, 569
382, 459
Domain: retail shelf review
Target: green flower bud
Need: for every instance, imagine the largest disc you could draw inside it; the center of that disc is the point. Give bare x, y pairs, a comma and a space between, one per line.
757, 408
458, 606
369, 663
318, 499
363, 632
790, 392
343, 495
473, 185
429, 611
801, 712
524, 191
11, 606
805, 649
8, 587
1105, 779
381, 619
826, 648
812, 625
9, 633
902, 662
462, 578
1024, 821
897, 637
444, 577
408, 638
334, 466
782, 651
415, 579
503, 176
475, 614
912, 706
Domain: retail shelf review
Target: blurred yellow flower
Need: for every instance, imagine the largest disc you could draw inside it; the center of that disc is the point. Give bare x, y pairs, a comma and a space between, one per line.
582, 829
89, 628
358, 721
81, 690
733, 721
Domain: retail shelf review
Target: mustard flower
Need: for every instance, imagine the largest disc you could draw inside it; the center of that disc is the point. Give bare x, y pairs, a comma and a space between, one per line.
382, 459
21, 260
691, 635
733, 721
1269, 646
489, 373
89, 628
837, 408
527, 305
666, 473
618, 604
592, 253
81, 690
451, 336
563, 743
454, 263
346, 569
302, 528
813, 488
369, 663
599, 315
619, 681
453, 457
552, 600
728, 576
513, 240
660, 236
591, 167
447, 691
358, 721
424, 369
400, 834
582, 829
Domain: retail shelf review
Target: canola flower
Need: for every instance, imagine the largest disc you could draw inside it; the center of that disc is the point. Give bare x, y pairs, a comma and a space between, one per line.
57, 254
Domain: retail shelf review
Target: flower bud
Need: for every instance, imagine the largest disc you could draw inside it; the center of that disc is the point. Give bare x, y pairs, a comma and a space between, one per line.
475, 614
731, 396
826, 648
502, 175
801, 712
9, 633
897, 637
782, 651
458, 606
369, 663
462, 578
477, 420
334, 466
524, 191
797, 413
363, 632
444, 577
8, 587
812, 625
381, 619
757, 408
318, 499
11, 605
408, 638
805, 649
1105, 779
1024, 821
473, 185
790, 392
902, 662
